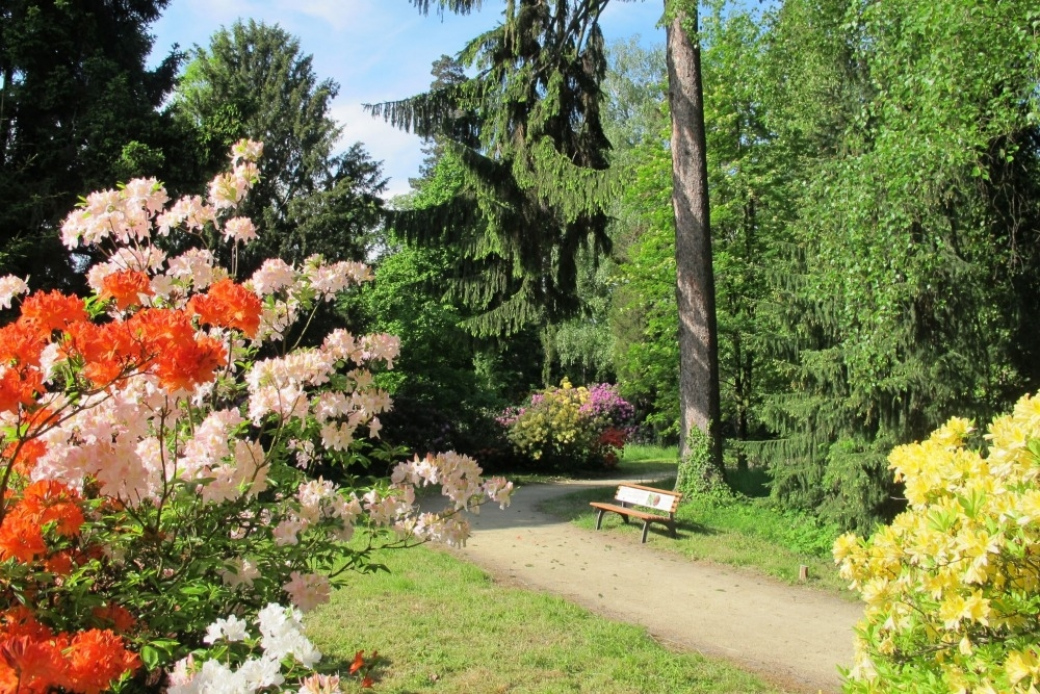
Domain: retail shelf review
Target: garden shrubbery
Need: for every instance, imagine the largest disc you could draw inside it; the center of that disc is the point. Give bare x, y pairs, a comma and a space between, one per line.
155, 501
952, 586
568, 428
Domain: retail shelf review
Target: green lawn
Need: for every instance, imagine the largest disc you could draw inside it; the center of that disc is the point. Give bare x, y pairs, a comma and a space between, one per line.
441, 625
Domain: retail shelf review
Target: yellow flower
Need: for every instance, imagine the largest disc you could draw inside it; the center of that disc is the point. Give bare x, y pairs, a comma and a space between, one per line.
1021, 664
845, 546
953, 432
976, 608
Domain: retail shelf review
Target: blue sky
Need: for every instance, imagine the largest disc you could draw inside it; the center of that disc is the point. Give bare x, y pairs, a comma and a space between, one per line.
377, 50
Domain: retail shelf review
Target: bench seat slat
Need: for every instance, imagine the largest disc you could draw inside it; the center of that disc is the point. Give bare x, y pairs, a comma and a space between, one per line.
626, 511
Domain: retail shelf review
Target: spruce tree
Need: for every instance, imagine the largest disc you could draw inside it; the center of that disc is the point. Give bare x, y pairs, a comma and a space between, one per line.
526, 128
255, 81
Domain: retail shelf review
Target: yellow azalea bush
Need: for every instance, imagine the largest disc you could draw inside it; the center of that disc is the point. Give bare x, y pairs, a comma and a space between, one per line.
952, 586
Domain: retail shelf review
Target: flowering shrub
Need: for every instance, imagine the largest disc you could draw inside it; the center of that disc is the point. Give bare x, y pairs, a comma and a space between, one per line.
567, 427
155, 438
285, 656
952, 586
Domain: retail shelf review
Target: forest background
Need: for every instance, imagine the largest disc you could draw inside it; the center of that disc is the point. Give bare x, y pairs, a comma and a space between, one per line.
875, 196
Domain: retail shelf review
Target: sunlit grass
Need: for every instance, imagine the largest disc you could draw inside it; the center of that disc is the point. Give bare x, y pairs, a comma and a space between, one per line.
441, 625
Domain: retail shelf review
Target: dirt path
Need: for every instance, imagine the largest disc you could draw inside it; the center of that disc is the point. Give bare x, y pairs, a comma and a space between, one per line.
793, 637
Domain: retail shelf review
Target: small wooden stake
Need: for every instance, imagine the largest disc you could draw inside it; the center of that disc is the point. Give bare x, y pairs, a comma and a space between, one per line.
803, 573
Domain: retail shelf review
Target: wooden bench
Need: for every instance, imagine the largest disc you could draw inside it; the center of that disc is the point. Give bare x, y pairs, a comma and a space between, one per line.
631, 495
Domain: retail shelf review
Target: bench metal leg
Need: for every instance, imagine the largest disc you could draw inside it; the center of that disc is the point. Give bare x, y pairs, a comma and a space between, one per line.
646, 529
599, 518
671, 526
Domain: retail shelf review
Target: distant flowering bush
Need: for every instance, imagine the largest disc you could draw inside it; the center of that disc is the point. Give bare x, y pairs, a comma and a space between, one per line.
568, 428
154, 439
952, 586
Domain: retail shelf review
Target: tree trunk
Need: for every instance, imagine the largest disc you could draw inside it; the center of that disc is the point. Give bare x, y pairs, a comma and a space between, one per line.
700, 446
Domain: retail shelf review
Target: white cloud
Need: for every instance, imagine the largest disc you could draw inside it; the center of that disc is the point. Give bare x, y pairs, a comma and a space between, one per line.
400, 152
338, 15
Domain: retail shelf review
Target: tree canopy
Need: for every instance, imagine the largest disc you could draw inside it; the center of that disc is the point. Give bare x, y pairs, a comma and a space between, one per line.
79, 109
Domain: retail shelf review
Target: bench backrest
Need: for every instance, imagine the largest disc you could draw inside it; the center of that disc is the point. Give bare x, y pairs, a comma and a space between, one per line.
648, 497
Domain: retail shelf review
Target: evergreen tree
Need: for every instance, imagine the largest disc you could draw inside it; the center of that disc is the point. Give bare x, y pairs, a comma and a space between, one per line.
78, 111
254, 81
527, 130
914, 129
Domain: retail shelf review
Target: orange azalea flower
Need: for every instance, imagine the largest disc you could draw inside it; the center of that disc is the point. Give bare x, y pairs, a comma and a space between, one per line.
48, 501
10, 390
20, 621
155, 329
107, 351
184, 365
117, 616
97, 657
228, 305
20, 537
126, 287
47, 311
35, 665
59, 564
8, 679
358, 663
21, 343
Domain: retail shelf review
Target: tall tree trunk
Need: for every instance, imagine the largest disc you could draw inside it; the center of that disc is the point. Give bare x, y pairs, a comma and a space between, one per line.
700, 447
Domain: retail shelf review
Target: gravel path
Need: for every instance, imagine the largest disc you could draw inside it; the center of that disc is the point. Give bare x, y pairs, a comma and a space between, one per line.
791, 636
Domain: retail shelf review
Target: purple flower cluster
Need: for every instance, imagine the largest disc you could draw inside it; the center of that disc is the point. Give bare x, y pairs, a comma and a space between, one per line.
510, 415
608, 408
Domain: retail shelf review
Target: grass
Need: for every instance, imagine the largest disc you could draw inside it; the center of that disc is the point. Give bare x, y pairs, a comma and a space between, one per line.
748, 532
441, 625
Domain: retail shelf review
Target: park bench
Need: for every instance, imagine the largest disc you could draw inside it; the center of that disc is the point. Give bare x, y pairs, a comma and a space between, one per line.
636, 495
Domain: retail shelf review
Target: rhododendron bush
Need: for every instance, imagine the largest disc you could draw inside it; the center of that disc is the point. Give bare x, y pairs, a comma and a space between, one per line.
952, 586
569, 428
156, 437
